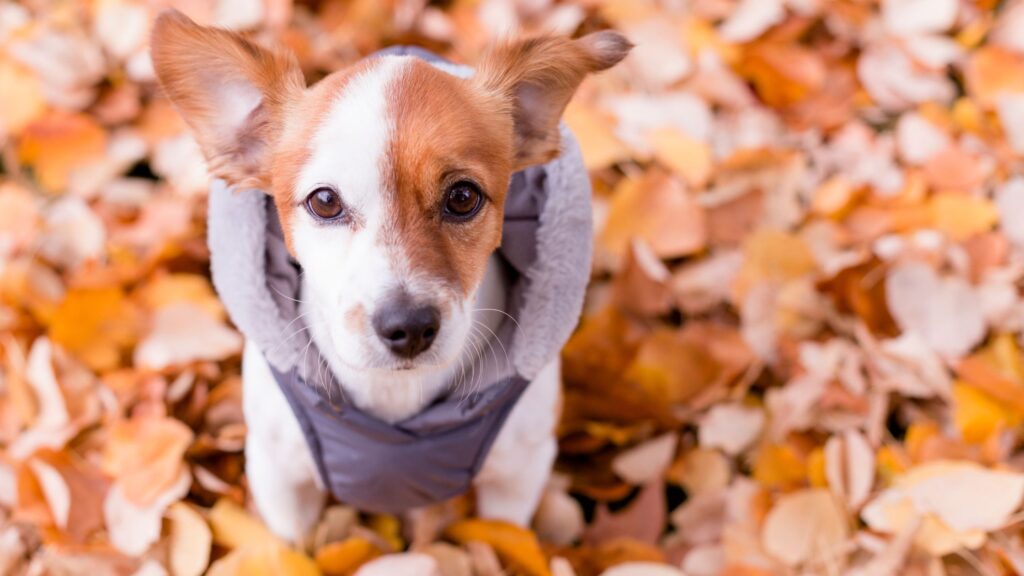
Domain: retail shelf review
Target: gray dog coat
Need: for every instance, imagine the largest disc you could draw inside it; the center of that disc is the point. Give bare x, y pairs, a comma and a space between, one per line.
433, 455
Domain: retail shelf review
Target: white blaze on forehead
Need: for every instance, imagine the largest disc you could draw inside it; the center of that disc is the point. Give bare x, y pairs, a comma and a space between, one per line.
344, 263
348, 148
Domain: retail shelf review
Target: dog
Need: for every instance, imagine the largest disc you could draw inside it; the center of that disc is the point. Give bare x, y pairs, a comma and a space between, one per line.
389, 180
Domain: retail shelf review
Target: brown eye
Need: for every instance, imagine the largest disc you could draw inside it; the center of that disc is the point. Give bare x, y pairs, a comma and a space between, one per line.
325, 203
462, 201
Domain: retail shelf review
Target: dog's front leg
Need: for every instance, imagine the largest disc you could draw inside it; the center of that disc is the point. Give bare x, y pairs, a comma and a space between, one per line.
513, 477
282, 476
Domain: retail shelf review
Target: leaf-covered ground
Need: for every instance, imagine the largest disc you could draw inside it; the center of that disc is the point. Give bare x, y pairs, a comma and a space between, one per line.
801, 351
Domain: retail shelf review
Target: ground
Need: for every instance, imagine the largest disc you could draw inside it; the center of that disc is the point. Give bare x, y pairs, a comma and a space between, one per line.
801, 348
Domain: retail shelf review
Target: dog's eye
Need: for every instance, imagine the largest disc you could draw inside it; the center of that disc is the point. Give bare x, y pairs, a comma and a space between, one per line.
325, 203
462, 201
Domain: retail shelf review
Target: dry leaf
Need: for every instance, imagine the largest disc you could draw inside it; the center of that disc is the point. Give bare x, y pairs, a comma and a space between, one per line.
731, 427
943, 311
805, 526
56, 144
907, 17
657, 209
646, 462
271, 560
850, 468
145, 455
642, 569
190, 541
183, 333
408, 563
957, 501
234, 528
133, 528
345, 557
516, 546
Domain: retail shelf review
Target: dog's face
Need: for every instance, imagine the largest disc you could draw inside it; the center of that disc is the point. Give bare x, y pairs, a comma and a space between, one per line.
389, 177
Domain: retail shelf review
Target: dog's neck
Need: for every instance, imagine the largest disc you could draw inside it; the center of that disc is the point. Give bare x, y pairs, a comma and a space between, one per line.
393, 396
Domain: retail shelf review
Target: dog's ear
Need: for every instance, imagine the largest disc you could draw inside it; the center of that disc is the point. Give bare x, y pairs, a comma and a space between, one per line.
537, 77
231, 92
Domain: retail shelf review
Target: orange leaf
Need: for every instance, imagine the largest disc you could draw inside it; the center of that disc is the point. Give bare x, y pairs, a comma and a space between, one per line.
95, 324
145, 456
515, 545
345, 557
233, 527
993, 70
22, 99
657, 209
58, 143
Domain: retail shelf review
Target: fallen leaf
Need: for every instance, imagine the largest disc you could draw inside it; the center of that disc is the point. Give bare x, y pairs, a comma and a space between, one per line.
657, 209
805, 526
145, 456
646, 462
270, 560
55, 144
731, 427
516, 546
133, 528
958, 502
345, 558
943, 311
908, 17
95, 324
850, 468
408, 563
190, 540
642, 569
183, 332
233, 527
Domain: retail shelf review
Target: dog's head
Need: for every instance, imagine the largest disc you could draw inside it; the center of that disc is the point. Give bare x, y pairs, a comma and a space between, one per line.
389, 176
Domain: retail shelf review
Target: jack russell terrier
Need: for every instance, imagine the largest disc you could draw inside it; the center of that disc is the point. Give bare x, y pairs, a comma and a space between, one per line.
405, 246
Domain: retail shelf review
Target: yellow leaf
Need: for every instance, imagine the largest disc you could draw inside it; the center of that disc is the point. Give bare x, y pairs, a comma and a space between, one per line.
190, 540
57, 143
816, 469
389, 528
22, 99
687, 157
772, 255
961, 216
234, 527
657, 209
171, 288
594, 132
779, 466
345, 557
672, 370
96, 325
832, 197
977, 415
270, 560
516, 546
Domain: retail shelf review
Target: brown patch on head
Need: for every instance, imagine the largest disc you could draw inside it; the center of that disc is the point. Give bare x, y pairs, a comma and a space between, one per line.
446, 130
355, 319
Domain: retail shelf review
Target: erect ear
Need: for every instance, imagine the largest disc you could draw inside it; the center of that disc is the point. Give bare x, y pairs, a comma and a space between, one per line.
231, 92
537, 77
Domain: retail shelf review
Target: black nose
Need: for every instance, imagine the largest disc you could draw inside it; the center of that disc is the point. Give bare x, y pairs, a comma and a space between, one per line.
408, 330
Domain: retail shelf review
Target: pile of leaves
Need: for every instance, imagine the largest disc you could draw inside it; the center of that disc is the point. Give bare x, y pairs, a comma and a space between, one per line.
801, 349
